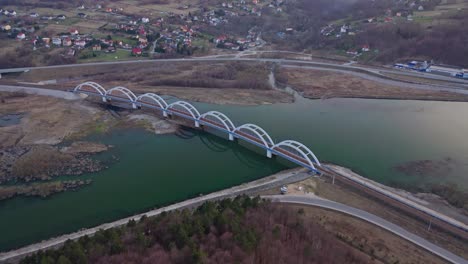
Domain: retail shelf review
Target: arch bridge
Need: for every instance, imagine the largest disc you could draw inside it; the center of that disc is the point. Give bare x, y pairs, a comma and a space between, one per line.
291, 150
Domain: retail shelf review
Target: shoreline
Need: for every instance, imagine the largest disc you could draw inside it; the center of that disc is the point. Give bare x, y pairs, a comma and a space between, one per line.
460, 219
281, 178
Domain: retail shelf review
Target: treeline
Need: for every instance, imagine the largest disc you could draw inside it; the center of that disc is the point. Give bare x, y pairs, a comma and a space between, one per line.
443, 43
242, 230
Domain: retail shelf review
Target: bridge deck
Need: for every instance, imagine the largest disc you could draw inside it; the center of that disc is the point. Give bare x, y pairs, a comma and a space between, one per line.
436, 220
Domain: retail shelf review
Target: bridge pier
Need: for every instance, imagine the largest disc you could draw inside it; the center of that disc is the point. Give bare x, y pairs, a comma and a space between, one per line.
104, 99
231, 137
164, 113
197, 124
269, 154
134, 106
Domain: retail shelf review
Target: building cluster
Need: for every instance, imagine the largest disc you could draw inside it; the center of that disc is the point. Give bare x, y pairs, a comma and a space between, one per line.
229, 42
168, 34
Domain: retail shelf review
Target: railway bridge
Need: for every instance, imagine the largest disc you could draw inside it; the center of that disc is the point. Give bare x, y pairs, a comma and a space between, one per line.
291, 150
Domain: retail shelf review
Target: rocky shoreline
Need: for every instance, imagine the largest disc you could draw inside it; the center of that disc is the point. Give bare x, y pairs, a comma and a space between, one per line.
43, 162
28, 170
42, 189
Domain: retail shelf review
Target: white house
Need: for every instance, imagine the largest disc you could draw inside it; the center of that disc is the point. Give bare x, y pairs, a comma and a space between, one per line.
80, 43
74, 31
144, 20
9, 13
344, 29
21, 36
57, 41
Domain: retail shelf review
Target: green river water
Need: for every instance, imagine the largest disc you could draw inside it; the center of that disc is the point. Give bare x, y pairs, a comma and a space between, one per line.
369, 136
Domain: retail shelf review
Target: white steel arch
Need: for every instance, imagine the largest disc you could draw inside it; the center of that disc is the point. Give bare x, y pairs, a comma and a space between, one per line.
156, 98
187, 106
305, 152
222, 118
123, 90
262, 134
99, 89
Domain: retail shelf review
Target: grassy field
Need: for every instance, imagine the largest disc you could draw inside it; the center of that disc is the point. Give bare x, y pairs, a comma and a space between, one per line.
103, 56
83, 26
134, 7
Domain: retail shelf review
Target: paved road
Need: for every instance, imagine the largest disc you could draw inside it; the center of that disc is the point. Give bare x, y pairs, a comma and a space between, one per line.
397, 230
40, 91
269, 182
281, 61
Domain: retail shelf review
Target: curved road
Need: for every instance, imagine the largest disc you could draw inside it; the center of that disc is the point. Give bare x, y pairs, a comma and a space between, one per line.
397, 230
375, 74
39, 91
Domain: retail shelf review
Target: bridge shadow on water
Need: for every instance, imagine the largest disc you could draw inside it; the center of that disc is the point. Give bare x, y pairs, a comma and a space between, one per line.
247, 154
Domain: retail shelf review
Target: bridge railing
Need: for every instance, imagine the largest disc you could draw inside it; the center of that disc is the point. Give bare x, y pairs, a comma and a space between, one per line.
263, 140
248, 132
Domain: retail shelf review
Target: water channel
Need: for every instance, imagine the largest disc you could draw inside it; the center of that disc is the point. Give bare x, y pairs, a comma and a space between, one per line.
371, 137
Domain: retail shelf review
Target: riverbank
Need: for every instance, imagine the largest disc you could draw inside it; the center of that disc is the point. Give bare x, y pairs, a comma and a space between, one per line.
269, 182
294, 178
43, 141
158, 153
314, 83
327, 188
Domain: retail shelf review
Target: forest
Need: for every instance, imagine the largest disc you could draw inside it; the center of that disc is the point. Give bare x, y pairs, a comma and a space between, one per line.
239, 230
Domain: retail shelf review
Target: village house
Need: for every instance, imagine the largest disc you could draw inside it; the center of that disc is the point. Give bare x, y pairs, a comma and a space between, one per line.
74, 31
82, 15
57, 41
344, 29
61, 17
145, 20
71, 53
80, 43
220, 39
97, 47
9, 12
136, 51
46, 40
34, 14
352, 52
29, 29
6, 27
365, 48
108, 42
21, 36
67, 42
